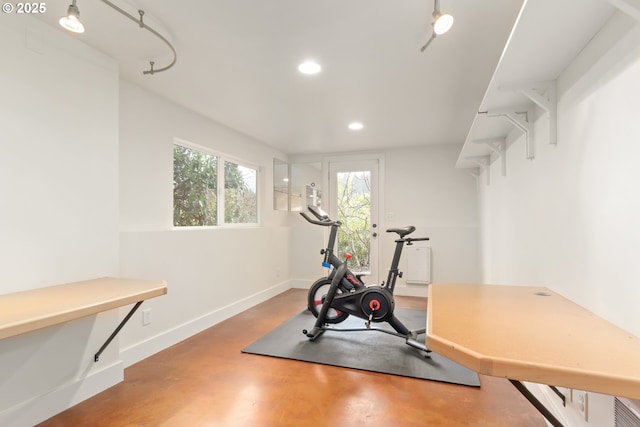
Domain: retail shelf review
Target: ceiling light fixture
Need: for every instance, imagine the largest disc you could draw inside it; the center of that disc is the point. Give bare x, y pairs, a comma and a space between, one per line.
442, 22
355, 126
309, 67
71, 21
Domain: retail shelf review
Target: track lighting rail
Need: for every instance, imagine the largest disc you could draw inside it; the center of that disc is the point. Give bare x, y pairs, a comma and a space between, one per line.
141, 23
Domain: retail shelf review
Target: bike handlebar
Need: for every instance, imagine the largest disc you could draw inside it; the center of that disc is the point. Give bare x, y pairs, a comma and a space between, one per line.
318, 213
323, 222
416, 239
323, 218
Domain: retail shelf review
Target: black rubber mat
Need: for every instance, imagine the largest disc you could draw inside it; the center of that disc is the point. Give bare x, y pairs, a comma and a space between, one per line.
368, 350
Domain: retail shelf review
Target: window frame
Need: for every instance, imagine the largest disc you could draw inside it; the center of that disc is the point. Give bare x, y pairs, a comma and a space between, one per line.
221, 158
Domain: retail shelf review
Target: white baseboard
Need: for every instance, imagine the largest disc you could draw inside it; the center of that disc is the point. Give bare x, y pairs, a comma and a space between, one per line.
144, 349
301, 283
43, 407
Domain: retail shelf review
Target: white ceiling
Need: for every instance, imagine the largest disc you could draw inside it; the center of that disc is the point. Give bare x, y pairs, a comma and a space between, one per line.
237, 64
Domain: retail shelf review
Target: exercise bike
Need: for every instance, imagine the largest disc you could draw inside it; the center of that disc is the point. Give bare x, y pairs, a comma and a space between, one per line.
342, 293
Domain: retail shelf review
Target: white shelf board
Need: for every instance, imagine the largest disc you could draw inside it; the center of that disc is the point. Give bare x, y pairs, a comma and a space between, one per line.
546, 37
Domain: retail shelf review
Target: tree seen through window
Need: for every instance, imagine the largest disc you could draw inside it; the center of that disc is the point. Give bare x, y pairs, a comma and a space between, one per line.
197, 194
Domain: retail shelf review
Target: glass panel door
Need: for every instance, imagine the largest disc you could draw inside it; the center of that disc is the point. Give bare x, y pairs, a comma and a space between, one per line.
354, 204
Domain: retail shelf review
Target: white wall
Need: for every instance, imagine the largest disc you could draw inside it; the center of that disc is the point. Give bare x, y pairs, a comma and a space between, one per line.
211, 273
59, 216
306, 239
86, 178
570, 219
421, 188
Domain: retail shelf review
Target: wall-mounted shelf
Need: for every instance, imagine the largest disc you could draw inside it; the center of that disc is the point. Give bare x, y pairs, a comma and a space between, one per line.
27, 311
547, 36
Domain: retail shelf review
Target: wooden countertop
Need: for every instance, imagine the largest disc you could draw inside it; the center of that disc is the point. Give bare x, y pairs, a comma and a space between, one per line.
531, 334
27, 311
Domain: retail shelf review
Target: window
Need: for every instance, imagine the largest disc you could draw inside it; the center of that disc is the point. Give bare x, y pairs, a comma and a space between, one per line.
204, 197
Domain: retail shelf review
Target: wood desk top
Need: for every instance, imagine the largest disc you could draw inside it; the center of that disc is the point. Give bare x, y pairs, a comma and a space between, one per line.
27, 311
531, 334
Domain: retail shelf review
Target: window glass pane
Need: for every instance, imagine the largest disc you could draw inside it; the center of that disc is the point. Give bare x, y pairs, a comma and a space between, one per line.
240, 194
194, 187
354, 212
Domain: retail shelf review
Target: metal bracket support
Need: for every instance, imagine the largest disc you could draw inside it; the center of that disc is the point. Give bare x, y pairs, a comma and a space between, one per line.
499, 147
535, 402
544, 95
522, 118
559, 394
113, 335
484, 162
474, 172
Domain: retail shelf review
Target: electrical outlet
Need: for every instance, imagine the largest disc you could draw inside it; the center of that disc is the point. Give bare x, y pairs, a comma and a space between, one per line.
146, 316
581, 401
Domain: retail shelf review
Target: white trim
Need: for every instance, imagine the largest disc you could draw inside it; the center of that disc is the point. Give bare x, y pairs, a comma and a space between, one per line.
149, 347
43, 407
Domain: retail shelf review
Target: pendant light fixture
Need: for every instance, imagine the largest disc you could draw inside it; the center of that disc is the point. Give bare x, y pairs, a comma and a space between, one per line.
71, 21
442, 22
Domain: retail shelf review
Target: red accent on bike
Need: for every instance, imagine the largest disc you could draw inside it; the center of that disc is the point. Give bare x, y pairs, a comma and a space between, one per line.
347, 256
318, 303
374, 305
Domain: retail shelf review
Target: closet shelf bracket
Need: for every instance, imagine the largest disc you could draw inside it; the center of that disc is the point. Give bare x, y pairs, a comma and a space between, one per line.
522, 118
483, 162
544, 96
474, 172
499, 147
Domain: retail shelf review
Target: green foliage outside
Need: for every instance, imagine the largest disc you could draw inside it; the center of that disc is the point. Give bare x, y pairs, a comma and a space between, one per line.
240, 199
195, 195
195, 177
354, 212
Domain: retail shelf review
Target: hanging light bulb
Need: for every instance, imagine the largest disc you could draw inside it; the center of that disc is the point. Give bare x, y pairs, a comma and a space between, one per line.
71, 21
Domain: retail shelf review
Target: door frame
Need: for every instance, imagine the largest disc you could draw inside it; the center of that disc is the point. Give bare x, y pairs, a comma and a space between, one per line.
329, 197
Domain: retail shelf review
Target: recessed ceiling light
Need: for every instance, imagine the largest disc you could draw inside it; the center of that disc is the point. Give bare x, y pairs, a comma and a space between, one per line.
355, 126
309, 67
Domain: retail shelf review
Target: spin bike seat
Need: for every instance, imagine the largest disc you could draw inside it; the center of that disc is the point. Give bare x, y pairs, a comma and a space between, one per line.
403, 231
